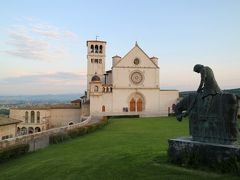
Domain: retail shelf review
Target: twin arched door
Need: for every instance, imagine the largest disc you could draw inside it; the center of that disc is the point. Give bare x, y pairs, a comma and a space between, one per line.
136, 104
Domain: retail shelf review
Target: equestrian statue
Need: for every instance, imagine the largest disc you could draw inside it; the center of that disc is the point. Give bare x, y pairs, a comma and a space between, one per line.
212, 113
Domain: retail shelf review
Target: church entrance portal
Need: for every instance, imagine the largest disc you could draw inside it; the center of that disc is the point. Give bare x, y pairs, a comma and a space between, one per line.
136, 103
139, 105
132, 105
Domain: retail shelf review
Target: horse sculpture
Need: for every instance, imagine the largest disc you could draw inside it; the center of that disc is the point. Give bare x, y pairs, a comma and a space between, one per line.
211, 119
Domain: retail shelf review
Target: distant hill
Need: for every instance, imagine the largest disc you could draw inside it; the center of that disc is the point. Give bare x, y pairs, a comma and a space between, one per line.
233, 91
38, 99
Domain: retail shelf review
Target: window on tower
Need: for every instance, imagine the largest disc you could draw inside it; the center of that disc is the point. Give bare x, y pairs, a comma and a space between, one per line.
96, 61
92, 48
100, 61
100, 49
96, 48
92, 61
96, 89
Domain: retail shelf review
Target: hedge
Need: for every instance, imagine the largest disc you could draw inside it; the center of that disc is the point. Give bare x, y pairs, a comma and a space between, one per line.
18, 150
58, 138
73, 133
13, 152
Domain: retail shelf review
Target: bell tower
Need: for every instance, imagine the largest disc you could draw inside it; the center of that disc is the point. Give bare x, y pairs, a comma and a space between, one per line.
95, 61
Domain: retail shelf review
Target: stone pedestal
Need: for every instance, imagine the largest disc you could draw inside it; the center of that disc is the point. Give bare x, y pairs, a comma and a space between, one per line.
184, 151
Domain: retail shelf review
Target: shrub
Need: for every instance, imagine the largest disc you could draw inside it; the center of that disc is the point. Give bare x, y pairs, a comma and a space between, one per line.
91, 128
13, 152
82, 131
77, 132
73, 133
58, 138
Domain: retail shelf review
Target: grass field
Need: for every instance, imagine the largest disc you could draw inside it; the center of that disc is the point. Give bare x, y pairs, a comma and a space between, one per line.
124, 149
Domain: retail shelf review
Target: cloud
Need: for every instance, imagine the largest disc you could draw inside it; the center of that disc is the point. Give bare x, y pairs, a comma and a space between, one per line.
38, 78
59, 82
38, 41
49, 31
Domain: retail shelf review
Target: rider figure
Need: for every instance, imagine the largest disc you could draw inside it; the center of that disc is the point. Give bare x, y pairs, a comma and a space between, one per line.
208, 86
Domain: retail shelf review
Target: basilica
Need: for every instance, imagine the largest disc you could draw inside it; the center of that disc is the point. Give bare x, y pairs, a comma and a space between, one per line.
131, 86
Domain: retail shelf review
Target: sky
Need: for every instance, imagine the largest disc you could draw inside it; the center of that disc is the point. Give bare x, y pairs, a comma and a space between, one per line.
43, 43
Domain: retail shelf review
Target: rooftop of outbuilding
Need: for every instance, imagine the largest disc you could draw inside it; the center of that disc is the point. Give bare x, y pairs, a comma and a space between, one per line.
7, 121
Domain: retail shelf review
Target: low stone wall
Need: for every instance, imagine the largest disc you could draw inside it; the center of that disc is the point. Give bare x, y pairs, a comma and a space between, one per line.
160, 113
40, 140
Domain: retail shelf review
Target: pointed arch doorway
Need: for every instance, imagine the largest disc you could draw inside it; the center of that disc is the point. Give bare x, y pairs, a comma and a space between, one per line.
139, 105
132, 105
136, 103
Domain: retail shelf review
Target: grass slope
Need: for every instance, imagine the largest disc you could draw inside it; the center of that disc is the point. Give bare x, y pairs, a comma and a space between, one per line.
124, 149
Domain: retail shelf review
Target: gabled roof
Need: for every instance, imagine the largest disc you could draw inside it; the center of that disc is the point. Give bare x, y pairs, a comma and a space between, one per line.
7, 121
84, 96
76, 101
136, 46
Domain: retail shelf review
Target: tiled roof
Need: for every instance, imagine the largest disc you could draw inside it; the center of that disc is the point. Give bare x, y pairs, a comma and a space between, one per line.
76, 101
6, 121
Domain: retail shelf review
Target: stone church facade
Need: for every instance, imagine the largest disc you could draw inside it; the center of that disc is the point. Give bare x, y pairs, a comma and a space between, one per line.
131, 86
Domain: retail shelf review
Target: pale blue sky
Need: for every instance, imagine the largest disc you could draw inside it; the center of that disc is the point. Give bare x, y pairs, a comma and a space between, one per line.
43, 43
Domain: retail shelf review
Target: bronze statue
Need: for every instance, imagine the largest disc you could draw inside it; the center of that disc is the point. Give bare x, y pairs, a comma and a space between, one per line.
208, 85
212, 114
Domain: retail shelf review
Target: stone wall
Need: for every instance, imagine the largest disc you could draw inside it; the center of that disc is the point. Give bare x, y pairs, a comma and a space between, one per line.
85, 110
62, 117
167, 99
39, 140
50, 117
8, 130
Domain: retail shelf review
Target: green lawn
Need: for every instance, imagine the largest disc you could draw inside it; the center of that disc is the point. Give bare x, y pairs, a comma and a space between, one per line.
124, 149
